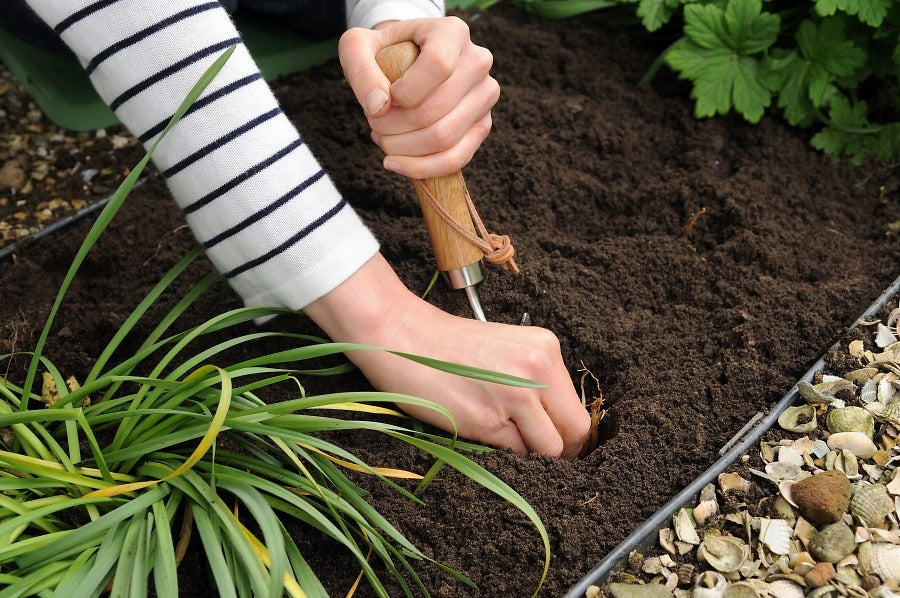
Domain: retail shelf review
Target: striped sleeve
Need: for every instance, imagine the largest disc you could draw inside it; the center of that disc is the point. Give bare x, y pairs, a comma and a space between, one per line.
368, 13
270, 219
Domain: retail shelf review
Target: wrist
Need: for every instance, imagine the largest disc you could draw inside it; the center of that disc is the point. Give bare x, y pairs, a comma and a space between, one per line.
364, 307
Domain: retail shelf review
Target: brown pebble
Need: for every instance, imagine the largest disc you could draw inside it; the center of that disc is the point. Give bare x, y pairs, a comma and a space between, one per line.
822, 498
12, 175
819, 575
870, 582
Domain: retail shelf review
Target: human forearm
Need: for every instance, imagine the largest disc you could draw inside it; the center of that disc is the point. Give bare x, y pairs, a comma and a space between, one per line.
269, 218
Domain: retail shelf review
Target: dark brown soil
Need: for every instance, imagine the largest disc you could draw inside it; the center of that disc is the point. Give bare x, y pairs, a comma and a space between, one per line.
594, 177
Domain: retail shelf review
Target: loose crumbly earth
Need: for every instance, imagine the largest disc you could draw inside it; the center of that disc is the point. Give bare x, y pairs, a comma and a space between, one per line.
594, 177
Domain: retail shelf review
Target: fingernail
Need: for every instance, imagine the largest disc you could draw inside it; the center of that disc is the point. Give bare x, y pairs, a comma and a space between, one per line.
376, 100
375, 137
391, 165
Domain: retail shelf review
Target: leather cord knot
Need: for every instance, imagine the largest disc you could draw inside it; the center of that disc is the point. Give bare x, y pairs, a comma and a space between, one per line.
497, 249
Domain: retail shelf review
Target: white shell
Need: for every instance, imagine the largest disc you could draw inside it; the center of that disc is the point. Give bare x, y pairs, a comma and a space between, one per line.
779, 471
856, 442
784, 588
724, 553
819, 448
884, 336
886, 390
869, 392
776, 534
787, 454
894, 486
884, 561
733, 482
684, 527
704, 510
710, 584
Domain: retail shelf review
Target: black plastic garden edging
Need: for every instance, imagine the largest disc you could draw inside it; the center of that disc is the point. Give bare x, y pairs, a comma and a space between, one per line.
62, 223
645, 534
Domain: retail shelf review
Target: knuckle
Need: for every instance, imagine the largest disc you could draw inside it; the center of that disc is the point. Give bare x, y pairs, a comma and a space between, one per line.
458, 24
493, 91
350, 39
443, 135
443, 61
484, 59
426, 114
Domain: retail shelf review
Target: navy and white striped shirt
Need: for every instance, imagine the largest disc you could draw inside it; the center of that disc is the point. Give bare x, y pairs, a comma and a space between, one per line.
270, 219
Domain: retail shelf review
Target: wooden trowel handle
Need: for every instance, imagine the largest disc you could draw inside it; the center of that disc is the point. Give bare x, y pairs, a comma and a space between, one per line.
452, 251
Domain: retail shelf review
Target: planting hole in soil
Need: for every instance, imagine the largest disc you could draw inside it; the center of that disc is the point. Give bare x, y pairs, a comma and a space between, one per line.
694, 268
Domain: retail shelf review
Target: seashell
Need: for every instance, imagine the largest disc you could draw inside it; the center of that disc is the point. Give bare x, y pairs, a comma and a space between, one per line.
851, 419
733, 482
776, 534
893, 486
862, 375
750, 568
741, 590
891, 413
881, 559
671, 581
856, 348
843, 461
869, 392
819, 448
801, 419
884, 336
704, 510
804, 531
886, 390
665, 540
788, 454
710, 584
871, 504
873, 471
724, 553
785, 489
811, 394
685, 528
856, 442
778, 471
894, 316
784, 588
884, 535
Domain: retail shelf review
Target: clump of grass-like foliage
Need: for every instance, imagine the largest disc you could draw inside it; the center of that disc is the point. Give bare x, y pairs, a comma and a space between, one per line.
102, 485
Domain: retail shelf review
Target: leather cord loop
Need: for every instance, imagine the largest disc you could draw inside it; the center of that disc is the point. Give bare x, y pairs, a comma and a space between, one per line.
497, 249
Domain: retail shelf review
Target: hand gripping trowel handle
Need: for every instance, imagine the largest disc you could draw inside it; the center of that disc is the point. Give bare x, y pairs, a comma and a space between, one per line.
455, 254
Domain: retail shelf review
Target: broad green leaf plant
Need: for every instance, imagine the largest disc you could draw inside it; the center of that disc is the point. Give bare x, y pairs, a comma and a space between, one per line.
102, 485
832, 66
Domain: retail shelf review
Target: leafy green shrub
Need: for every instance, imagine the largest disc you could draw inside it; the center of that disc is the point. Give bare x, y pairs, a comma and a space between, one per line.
828, 65
102, 484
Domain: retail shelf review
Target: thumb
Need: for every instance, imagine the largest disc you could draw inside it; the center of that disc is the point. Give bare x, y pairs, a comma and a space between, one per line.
357, 49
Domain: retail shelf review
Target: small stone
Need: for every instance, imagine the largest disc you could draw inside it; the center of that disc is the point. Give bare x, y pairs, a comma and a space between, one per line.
832, 543
870, 582
593, 592
648, 590
822, 498
819, 575
12, 175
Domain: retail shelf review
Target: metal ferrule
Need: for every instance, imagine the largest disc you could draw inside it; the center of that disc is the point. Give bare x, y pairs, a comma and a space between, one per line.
466, 276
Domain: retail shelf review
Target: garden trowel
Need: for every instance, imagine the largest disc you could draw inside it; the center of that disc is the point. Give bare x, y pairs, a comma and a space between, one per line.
458, 236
